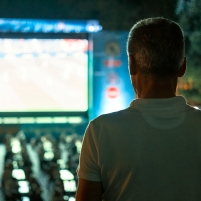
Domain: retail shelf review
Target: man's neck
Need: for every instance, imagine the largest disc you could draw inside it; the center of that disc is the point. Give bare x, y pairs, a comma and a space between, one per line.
157, 90
156, 95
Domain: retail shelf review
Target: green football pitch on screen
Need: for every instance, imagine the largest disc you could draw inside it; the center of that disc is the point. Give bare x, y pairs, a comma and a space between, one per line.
39, 75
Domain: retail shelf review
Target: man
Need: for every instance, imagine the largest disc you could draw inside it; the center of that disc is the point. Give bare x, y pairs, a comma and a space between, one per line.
150, 151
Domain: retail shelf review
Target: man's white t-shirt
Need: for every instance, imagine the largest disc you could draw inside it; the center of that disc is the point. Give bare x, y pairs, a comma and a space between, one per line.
150, 151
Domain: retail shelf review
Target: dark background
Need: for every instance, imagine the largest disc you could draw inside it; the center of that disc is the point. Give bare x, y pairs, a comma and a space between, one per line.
112, 14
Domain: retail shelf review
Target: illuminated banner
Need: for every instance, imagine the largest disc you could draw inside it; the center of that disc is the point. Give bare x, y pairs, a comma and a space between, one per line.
48, 26
112, 89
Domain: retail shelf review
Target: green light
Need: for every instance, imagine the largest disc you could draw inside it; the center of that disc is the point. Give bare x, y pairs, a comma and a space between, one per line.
44, 120
11, 120
26, 120
75, 120
60, 120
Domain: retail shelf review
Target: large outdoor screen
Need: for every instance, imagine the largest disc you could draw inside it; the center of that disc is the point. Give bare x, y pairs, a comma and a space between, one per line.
40, 75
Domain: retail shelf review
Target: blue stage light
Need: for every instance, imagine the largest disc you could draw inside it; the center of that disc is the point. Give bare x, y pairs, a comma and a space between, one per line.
48, 26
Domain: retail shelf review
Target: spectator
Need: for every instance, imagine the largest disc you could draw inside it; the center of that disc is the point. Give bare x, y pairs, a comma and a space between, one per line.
150, 151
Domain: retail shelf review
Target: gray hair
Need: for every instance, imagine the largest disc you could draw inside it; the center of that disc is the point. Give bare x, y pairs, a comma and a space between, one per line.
158, 47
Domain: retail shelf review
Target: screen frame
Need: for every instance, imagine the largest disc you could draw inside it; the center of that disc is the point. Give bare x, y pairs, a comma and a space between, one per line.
19, 35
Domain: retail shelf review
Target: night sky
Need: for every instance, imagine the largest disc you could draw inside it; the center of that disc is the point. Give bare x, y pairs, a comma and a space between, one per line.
112, 14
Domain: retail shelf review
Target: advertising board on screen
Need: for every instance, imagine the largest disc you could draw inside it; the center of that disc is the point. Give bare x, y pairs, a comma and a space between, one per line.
43, 75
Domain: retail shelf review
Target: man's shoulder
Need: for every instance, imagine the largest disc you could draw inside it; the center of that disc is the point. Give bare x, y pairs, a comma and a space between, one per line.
106, 118
194, 111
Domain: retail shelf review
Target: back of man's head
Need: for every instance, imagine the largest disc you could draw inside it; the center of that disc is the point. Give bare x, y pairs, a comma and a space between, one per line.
158, 47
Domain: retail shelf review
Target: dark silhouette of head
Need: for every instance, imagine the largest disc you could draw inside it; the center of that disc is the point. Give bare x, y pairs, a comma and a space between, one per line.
158, 47
156, 50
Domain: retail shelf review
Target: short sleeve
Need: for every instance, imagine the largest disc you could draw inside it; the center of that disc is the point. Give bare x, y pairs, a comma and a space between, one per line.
88, 163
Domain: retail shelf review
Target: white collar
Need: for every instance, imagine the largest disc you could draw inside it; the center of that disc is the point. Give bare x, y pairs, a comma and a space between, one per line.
167, 113
148, 103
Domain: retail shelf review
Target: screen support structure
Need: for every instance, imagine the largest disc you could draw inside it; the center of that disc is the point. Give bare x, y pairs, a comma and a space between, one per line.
90, 77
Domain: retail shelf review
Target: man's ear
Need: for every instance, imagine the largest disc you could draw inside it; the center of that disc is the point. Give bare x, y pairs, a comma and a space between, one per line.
182, 69
132, 66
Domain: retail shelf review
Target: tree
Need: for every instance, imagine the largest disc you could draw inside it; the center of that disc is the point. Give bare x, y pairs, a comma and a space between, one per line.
190, 20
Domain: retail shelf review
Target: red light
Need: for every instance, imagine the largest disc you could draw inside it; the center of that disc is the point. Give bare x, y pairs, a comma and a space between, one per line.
112, 92
112, 63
